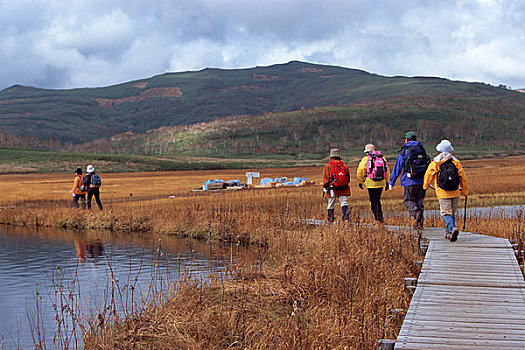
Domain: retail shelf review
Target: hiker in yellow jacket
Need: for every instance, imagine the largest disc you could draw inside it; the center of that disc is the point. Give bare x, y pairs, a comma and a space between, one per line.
446, 174
375, 178
77, 193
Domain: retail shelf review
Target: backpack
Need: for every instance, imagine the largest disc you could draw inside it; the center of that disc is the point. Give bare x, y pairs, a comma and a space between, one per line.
448, 177
96, 181
376, 166
82, 186
417, 161
339, 180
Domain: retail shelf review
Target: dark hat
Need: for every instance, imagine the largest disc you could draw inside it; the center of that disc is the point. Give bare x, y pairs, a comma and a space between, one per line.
78, 171
410, 135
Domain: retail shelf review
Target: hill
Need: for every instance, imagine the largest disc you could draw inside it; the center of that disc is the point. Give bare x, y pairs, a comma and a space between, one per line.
178, 99
478, 127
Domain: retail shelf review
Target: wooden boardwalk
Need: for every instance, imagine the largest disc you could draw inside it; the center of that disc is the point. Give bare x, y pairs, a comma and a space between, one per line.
470, 295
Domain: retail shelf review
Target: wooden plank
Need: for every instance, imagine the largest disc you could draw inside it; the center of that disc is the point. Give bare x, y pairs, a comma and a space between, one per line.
459, 333
470, 294
423, 342
482, 326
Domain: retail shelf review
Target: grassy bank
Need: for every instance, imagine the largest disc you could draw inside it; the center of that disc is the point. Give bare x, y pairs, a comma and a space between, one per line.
307, 287
23, 161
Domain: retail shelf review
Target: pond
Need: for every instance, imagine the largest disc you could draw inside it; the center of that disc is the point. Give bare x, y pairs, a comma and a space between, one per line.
46, 275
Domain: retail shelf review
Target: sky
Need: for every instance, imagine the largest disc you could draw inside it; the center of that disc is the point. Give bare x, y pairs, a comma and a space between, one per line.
63, 44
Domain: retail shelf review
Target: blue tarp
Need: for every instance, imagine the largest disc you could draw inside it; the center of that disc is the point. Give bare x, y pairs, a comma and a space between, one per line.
266, 181
281, 179
234, 182
208, 182
298, 180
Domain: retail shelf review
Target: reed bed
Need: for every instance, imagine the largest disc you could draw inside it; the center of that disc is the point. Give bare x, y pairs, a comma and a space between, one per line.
326, 287
332, 286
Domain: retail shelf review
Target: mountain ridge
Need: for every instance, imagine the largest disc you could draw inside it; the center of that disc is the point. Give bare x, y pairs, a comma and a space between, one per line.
182, 98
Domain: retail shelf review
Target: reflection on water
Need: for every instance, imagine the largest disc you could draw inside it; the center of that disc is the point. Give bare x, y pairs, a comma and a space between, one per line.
61, 265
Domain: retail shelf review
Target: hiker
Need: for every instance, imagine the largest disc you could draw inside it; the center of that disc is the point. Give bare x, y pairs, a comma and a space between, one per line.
373, 172
78, 193
411, 164
336, 178
449, 180
92, 182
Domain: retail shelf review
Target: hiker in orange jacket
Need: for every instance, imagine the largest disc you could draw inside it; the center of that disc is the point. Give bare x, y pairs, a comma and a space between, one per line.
77, 192
446, 173
336, 177
374, 182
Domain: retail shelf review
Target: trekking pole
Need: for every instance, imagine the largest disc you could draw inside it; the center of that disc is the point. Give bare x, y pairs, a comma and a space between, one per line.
465, 214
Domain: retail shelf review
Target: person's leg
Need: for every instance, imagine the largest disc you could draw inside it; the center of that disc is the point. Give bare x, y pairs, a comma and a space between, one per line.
454, 207
83, 201
89, 196
419, 195
371, 197
75, 201
379, 207
410, 203
343, 200
445, 206
409, 200
330, 208
375, 201
97, 198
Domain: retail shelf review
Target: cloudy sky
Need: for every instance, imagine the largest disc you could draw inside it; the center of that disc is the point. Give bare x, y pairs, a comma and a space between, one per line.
89, 43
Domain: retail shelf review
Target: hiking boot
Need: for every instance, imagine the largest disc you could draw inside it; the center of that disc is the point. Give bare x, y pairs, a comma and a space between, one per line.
330, 217
455, 233
346, 213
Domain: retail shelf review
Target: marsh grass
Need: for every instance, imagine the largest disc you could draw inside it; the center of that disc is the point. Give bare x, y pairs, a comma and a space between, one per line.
334, 287
304, 287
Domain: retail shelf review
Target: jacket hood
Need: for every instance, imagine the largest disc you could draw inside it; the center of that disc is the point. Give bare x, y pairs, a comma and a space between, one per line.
408, 144
443, 157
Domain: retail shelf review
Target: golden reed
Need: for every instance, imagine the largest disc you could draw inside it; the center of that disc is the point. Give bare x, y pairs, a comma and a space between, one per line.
304, 287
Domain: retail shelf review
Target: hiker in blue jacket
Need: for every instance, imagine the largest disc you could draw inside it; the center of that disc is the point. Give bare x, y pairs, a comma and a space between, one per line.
411, 164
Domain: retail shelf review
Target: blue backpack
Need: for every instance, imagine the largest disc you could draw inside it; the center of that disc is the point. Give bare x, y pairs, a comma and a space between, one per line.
96, 181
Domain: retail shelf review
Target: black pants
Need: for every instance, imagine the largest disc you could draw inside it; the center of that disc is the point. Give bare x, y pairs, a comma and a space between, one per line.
375, 202
82, 198
93, 192
413, 200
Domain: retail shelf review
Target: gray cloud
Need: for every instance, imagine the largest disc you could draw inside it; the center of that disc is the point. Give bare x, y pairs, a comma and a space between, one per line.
61, 44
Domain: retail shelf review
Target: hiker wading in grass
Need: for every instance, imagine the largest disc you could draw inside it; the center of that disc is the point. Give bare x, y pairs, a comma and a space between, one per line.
92, 182
336, 178
77, 192
449, 180
412, 163
373, 172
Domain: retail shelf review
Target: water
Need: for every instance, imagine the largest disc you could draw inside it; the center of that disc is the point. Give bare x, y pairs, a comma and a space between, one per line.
496, 212
82, 271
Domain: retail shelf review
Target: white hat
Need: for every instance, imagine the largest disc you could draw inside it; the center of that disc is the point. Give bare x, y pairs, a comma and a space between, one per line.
445, 146
90, 168
370, 147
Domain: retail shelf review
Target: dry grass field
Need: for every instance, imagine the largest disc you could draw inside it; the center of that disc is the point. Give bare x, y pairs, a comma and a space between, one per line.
304, 287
